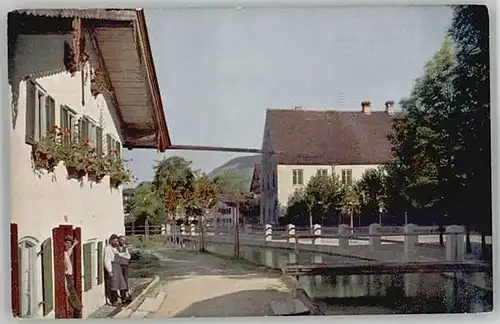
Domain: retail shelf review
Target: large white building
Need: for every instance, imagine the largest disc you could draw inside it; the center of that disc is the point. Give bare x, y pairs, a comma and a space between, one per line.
299, 144
55, 59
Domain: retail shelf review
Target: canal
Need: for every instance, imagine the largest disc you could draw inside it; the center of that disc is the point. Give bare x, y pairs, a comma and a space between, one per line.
370, 294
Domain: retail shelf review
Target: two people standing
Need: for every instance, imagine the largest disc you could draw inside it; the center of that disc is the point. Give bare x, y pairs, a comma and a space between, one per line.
116, 260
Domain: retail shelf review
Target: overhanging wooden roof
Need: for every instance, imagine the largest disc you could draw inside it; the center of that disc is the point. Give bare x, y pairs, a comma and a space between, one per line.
120, 38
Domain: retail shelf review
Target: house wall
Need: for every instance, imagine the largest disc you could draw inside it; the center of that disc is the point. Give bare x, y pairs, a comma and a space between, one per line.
286, 188
40, 202
268, 197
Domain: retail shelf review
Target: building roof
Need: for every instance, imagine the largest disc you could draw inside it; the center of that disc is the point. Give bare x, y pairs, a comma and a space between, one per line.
311, 137
255, 183
120, 38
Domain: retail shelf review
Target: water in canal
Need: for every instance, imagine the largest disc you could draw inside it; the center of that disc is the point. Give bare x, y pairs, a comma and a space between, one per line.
372, 294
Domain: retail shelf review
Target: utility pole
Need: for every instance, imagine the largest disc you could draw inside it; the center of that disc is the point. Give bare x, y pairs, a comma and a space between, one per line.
236, 231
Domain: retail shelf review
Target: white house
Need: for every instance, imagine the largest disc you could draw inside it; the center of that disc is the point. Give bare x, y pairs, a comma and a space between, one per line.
92, 73
299, 144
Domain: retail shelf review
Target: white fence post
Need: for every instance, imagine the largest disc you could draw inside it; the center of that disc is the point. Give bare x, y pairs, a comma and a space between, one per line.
375, 241
344, 233
291, 233
183, 229
269, 233
410, 242
455, 243
317, 233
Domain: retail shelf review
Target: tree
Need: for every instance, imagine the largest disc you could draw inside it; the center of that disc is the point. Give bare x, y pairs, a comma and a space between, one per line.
297, 209
146, 207
470, 33
173, 181
202, 198
370, 191
230, 182
426, 140
250, 208
351, 203
322, 196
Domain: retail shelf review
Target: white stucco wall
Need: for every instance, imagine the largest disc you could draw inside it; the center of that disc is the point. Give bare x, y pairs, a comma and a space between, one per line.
285, 187
41, 202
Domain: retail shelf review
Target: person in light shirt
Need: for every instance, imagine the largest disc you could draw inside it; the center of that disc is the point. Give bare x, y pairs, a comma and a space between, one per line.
112, 264
74, 301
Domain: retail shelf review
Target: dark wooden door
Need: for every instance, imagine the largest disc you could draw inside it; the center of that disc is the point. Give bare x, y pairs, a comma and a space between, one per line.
62, 307
14, 269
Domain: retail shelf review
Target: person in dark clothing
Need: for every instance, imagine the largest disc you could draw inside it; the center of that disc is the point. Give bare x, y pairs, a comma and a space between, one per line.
124, 259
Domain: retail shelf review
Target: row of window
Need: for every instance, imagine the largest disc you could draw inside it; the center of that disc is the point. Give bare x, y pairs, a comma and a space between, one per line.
40, 118
298, 176
93, 271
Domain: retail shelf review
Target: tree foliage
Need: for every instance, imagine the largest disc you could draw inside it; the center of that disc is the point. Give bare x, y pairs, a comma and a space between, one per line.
145, 205
321, 197
203, 196
173, 181
231, 183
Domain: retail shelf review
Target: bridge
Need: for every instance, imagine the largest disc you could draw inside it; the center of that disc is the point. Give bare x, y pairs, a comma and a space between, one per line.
374, 249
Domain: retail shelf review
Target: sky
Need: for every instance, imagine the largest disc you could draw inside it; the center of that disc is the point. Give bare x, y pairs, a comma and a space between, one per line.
220, 69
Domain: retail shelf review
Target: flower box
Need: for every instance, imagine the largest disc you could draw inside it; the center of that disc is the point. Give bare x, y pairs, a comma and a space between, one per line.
114, 183
75, 173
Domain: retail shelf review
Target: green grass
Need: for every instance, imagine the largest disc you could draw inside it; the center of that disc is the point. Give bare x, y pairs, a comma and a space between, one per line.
143, 265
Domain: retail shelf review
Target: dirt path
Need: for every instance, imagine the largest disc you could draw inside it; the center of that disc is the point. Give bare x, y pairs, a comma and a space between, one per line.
203, 285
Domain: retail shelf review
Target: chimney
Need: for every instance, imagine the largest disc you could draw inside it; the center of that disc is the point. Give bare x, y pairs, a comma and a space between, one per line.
366, 107
389, 107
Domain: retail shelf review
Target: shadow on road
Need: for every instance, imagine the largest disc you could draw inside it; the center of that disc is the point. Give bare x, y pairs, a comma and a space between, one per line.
241, 303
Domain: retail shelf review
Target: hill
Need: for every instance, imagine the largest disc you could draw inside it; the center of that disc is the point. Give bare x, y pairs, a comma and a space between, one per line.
242, 165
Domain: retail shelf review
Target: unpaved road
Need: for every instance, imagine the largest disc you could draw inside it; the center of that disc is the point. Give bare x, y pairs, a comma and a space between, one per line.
203, 285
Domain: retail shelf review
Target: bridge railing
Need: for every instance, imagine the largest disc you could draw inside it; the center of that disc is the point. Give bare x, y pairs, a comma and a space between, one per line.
410, 242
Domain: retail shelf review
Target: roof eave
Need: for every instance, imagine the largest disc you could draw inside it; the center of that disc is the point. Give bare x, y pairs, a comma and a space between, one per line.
163, 135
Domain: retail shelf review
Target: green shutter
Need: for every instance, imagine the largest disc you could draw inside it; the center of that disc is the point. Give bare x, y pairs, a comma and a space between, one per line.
98, 136
118, 148
100, 261
50, 114
20, 275
30, 111
87, 266
65, 124
47, 278
108, 143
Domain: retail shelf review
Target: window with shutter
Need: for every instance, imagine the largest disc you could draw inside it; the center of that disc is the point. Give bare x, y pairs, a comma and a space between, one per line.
87, 266
100, 263
30, 112
47, 278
